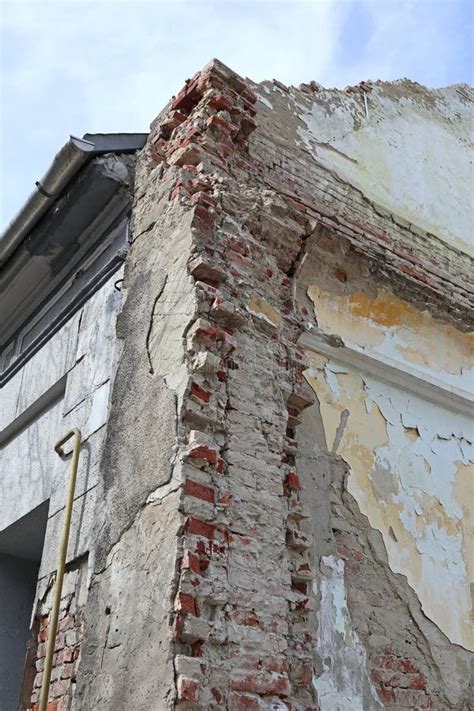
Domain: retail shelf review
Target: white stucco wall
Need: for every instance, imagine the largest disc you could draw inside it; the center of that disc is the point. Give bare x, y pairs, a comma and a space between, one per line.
65, 384
407, 148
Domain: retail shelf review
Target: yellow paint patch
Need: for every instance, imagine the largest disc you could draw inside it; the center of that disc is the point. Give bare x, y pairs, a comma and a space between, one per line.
433, 512
412, 433
376, 489
365, 322
259, 307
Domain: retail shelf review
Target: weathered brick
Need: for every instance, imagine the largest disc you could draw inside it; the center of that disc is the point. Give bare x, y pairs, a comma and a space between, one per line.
259, 682
188, 689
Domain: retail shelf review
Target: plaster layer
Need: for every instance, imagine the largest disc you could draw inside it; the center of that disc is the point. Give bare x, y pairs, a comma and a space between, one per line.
406, 457
386, 325
341, 685
403, 146
138, 521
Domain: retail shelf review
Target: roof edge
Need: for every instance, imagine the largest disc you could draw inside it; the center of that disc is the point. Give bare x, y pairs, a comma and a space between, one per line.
65, 165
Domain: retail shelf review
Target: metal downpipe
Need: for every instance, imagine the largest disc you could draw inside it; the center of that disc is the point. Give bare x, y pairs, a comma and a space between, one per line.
53, 623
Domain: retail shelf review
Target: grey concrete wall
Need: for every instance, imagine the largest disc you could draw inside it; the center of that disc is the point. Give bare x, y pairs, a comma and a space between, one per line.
127, 659
17, 592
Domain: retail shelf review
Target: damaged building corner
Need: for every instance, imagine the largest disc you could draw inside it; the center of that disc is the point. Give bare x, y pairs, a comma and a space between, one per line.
259, 315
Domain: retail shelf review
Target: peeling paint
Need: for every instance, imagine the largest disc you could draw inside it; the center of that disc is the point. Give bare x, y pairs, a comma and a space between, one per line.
392, 327
403, 148
265, 101
259, 307
407, 485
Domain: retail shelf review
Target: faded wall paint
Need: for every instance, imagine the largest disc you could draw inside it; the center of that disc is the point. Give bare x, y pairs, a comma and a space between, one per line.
410, 458
385, 325
406, 148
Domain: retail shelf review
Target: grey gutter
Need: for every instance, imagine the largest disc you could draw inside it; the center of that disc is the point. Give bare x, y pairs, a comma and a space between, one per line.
66, 164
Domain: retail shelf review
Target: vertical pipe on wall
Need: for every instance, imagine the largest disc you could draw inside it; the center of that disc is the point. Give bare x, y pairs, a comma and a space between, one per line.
53, 624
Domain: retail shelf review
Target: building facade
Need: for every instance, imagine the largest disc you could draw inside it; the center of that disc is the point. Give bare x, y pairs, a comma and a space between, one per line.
258, 315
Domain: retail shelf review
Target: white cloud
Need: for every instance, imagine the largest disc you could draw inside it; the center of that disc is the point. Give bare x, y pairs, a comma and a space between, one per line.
111, 65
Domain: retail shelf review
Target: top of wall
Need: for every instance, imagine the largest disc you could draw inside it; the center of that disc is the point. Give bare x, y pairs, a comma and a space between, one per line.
405, 147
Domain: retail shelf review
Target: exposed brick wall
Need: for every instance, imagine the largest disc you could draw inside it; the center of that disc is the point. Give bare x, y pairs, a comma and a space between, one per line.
243, 618
400, 251
241, 610
67, 648
400, 670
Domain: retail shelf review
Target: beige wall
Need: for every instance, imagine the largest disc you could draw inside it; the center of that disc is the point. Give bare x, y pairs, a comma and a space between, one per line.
394, 402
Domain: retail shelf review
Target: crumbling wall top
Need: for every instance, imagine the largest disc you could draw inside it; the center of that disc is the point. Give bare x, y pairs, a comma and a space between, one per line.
404, 146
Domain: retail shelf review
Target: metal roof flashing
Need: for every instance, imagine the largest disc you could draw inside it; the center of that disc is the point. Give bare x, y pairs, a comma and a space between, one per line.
65, 165
68, 239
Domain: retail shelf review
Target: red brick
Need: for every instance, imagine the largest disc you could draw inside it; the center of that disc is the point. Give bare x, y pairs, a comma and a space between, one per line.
275, 664
191, 562
412, 699
67, 654
398, 664
199, 491
418, 681
220, 123
188, 690
187, 98
259, 683
416, 275
60, 687
217, 695
349, 553
199, 393
199, 528
225, 499
293, 482
204, 198
387, 695
67, 671
340, 275
197, 648
299, 586
203, 452
186, 603
204, 215
248, 94
244, 702
247, 618
220, 102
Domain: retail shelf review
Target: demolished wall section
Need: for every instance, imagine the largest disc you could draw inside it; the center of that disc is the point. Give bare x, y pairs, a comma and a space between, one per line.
438, 269
202, 545
242, 639
414, 626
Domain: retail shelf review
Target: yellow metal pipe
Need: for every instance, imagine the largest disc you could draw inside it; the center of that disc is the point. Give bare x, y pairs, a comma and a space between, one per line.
53, 622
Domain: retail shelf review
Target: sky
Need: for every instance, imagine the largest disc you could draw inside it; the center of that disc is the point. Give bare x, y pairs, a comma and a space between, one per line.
73, 67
